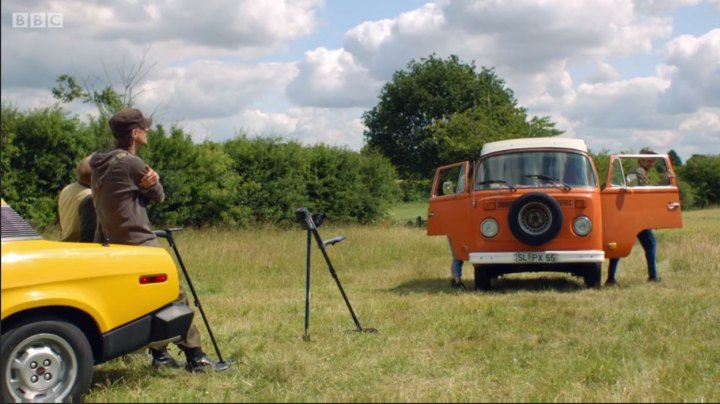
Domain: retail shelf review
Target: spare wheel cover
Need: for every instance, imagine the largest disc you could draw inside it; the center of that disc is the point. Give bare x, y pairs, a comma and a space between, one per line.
535, 218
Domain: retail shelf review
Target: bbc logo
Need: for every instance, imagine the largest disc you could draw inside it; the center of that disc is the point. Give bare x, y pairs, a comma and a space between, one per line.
37, 20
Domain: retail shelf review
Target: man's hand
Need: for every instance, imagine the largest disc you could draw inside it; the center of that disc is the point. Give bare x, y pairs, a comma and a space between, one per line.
150, 178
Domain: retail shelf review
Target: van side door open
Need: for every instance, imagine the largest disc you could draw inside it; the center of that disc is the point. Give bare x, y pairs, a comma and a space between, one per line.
449, 206
634, 200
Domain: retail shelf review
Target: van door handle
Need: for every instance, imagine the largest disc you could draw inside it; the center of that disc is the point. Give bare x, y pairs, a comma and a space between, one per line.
431, 213
673, 205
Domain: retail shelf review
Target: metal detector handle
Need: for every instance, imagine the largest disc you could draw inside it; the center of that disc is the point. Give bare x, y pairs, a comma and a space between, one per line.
167, 232
333, 240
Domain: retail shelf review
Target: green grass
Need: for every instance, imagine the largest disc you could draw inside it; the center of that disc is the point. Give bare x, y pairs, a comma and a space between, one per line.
535, 338
409, 211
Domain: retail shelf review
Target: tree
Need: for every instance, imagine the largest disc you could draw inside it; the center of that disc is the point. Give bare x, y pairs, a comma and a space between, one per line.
438, 110
103, 94
675, 159
465, 132
703, 173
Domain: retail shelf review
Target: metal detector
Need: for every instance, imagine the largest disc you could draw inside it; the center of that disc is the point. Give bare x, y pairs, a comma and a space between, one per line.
167, 234
311, 222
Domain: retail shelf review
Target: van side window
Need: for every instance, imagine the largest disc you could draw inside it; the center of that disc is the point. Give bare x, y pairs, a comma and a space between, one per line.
618, 174
451, 181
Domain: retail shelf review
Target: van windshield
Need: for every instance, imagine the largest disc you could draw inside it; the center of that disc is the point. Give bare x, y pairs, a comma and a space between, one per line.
535, 169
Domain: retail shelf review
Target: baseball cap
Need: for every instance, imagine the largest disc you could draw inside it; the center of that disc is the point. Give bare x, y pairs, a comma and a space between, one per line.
128, 119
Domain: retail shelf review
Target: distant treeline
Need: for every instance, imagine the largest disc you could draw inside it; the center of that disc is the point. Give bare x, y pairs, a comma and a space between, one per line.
241, 181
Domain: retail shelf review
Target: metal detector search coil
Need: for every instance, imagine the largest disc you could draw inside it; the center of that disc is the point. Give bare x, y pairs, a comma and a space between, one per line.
311, 222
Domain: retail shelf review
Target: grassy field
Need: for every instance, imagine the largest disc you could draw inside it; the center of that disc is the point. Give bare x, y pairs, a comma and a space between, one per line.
408, 212
535, 338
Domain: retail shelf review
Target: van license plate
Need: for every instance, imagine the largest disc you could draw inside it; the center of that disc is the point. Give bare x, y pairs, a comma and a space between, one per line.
535, 257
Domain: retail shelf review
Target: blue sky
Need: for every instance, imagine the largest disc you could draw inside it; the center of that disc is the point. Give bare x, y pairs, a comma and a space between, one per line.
620, 74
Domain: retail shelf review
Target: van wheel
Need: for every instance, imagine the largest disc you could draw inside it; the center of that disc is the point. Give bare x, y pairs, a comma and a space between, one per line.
535, 218
592, 275
47, 361
483, 278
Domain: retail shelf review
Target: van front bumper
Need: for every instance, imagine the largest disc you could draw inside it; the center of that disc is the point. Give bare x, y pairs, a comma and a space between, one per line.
538, 257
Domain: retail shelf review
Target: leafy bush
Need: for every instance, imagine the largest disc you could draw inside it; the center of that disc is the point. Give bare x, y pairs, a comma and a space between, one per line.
238, 182
277, 177
40, 151
703, 172
415, 190
200, 184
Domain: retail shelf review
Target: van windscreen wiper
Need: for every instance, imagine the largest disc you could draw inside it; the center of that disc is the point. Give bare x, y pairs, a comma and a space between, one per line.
501, 182
550, 179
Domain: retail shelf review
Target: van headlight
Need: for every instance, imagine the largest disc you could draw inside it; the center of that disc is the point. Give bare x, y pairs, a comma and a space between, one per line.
582, 225
489, 228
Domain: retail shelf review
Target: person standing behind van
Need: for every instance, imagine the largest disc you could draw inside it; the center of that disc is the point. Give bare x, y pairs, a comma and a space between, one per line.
646, 237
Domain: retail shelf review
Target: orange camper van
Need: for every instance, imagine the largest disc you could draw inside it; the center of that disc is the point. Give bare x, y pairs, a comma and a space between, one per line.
535, 204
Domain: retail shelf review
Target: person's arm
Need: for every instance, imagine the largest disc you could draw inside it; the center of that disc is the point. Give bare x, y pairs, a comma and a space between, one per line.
147, 181
642, 177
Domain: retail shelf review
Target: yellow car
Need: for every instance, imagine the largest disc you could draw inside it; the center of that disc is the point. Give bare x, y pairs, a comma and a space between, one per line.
69, 306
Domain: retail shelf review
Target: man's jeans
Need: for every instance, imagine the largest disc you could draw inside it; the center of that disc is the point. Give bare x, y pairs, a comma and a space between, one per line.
456, 268
649, 244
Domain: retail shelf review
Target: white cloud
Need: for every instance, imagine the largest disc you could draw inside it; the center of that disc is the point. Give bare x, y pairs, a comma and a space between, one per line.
231, 24
250, 122
702, 121
332, 79
388, 45
111, 32
365, 40
694, 66
213, 89
338, 127
616, 115
28, 99
605, 73
700, 132
545, 92
529, 35
659, 6
526, 41
627, 104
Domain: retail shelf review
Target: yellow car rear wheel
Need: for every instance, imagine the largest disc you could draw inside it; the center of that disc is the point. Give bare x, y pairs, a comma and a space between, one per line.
45, 360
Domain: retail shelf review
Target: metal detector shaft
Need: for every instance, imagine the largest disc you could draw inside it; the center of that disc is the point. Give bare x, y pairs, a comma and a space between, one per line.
167, 233
321, 245
306, 337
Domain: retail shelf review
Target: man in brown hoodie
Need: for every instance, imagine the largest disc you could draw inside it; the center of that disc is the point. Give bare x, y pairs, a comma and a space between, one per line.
122, 186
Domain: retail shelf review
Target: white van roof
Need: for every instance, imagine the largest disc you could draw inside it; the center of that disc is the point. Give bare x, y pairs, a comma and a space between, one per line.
534, 143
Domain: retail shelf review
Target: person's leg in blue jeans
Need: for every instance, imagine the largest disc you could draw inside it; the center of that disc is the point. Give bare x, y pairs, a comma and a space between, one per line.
649, 244
612, 270
456, 273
